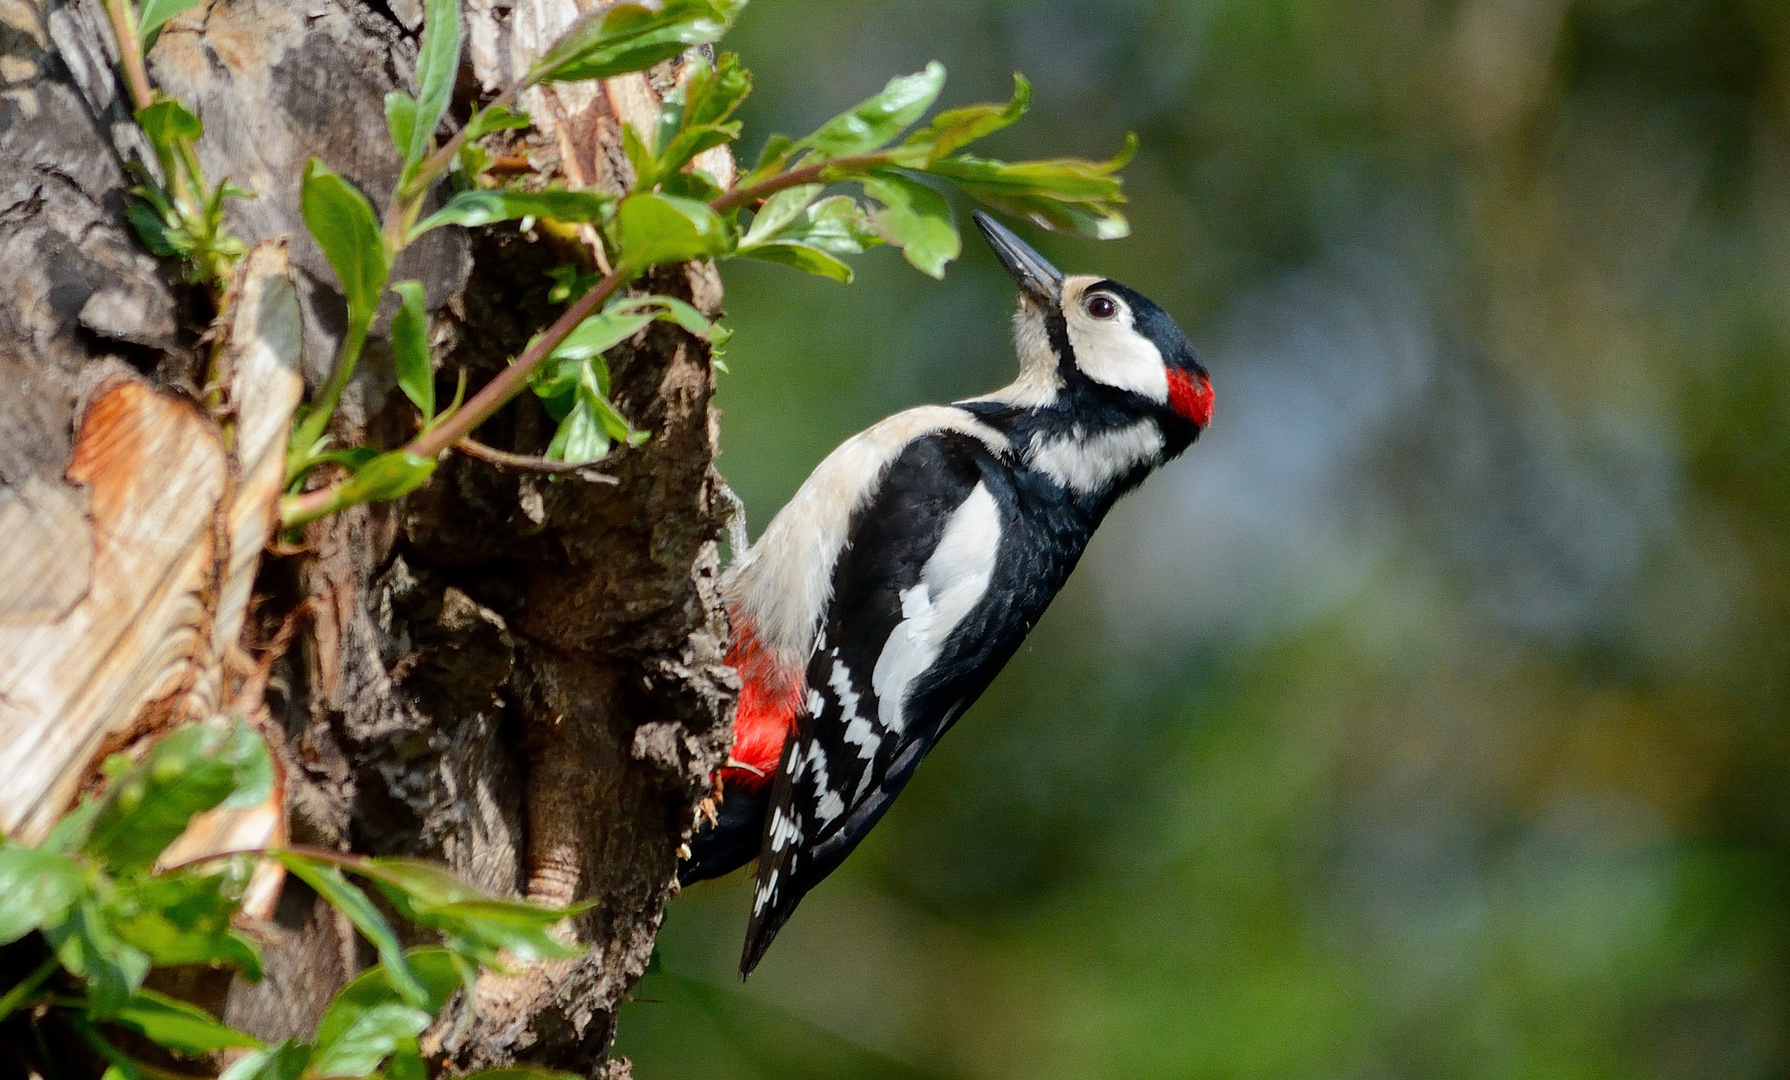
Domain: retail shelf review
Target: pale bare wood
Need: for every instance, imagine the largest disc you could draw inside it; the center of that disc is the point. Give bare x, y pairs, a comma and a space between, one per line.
164, 559
265, 346
156, 476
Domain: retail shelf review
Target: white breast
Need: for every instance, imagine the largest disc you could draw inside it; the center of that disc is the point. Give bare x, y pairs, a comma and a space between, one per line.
953, 580
786, 580
1090, 463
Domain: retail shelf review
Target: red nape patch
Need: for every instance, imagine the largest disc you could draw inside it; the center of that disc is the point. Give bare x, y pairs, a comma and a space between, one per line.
1190, 395
770, 698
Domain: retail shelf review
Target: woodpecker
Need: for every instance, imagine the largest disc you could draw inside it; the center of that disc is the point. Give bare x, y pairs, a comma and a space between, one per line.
881, 602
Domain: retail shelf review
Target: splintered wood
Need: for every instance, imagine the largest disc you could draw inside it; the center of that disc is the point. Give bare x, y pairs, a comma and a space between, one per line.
128, 584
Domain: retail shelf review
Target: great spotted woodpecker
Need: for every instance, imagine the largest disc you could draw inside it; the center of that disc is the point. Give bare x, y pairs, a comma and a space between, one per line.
882, 601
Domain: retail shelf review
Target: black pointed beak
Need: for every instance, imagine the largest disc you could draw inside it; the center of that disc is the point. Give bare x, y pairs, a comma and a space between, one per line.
1036, 277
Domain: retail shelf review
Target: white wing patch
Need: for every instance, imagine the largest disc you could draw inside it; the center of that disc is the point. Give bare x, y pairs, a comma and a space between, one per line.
1090, 463
785, 581
953, 580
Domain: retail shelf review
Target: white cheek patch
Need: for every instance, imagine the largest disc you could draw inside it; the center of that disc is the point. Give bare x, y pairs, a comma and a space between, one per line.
954, 579
1094, 462
1112, 352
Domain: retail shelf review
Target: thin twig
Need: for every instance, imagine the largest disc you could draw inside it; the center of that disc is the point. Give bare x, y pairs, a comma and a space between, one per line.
130, 51
503, 459
344, 859
19, 994
808, 174
491, 397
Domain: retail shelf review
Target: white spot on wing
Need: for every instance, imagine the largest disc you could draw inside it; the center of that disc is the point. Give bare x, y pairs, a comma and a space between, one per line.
955, 578
1089, 464
858, 731
765, 892
784, 830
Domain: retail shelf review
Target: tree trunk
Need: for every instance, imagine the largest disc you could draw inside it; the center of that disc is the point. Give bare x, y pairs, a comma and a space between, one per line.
517, 674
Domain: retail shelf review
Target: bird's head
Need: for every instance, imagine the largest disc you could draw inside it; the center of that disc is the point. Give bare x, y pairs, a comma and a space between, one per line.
1086, 330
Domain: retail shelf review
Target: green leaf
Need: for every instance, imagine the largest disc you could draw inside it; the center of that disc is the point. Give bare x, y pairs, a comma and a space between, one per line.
182, 918
693, 117
410, 347
86, 946
871, 123
581, 435
283, 1062
155, 14
836, 226
165, 121
598, 334
801, 257
915, 219
251, 766
1068, 195
640, 158
400, 119
666, 309
779, 212
712, 93
437, 66
155, 233
421, 883
70, 831
430, 895
39, 887
352, 902
371, 1037
656, 229
179, 1026
956, 128
435, 969
407, 1062
498, 925
391, 475
632, 37
342, 222
693, 184
494, 118
483, 207
187, 771
771, 160
352, 1029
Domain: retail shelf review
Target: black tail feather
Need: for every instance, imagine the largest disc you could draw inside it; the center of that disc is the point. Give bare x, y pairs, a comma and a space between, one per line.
731, 842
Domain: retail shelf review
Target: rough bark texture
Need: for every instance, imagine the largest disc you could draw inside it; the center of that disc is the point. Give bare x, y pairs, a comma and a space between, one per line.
519, 676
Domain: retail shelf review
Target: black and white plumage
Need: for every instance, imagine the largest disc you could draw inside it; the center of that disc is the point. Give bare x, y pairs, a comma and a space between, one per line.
882, 601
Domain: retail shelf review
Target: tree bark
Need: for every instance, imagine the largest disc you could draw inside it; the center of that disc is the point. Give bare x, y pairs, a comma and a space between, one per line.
517, 674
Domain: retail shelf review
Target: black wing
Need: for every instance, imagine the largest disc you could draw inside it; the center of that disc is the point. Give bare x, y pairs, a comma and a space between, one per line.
846, 763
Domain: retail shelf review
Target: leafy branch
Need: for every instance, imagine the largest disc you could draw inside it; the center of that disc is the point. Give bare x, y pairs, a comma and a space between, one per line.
674, 212
106, 914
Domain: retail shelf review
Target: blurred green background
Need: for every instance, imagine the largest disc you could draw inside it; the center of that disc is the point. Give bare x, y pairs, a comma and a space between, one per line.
1428, 719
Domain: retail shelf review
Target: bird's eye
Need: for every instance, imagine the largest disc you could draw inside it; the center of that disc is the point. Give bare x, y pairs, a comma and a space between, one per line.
1100, 306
